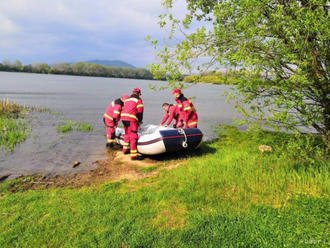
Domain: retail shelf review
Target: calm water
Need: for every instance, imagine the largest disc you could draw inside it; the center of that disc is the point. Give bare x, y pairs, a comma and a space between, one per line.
85, 99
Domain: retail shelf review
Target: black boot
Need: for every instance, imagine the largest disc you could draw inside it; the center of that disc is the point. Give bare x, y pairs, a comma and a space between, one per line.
110, 145
137, 158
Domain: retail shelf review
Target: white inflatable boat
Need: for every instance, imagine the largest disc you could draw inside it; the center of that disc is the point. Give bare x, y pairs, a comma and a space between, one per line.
156, 139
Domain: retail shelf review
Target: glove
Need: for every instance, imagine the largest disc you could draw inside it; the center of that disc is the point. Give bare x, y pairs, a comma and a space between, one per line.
174, 125
115, 121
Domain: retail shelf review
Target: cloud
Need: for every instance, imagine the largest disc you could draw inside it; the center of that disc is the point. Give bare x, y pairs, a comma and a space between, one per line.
74, 30
50, 31
7, 27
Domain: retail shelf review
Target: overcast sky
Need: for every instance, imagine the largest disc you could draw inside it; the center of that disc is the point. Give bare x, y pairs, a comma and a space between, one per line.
78, 30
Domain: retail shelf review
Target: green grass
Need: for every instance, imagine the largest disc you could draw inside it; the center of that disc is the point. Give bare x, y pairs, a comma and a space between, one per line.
231, 195
55, 113
150, 168
13, 128
67, 126
83, 127
63, 128
12, 132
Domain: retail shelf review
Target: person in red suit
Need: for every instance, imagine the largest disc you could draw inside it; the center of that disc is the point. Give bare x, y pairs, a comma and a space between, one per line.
187, 110
131, 116
171, 112
111, 118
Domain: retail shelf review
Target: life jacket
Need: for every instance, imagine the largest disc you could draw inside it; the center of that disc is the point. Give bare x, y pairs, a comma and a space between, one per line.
114, 109
187, 110
133, 109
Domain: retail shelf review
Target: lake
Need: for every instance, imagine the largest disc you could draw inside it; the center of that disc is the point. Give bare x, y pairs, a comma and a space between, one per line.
85, 99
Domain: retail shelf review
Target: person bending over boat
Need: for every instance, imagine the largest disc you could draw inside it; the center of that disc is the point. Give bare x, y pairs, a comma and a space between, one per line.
111, 118
171, 112
131, 117
187, 110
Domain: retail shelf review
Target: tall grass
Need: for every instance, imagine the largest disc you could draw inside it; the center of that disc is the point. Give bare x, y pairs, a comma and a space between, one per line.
230, 195
12, 132
12, 129
10, 109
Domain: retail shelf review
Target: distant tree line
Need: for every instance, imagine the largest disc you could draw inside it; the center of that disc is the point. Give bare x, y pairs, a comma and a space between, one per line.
224, 77
79, 69
228, 78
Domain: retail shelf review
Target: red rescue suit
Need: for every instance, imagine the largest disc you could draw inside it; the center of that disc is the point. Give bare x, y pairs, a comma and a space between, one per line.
111, 118
172, 113
187, 112
131, 116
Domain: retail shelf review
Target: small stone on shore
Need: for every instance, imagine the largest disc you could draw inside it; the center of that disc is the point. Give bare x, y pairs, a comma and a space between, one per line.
76, 163
4, 177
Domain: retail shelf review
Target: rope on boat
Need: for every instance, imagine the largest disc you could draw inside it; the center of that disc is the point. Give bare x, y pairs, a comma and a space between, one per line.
184, 143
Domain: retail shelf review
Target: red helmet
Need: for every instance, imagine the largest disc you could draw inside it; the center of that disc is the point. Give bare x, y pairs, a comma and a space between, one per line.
137, 90
176, 91
124, 97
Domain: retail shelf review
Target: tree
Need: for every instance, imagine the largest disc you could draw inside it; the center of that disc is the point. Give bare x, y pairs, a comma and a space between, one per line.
40, 68
27, 68
79, 68
6, 65
280, 47
61, 68
143, 73
18, 65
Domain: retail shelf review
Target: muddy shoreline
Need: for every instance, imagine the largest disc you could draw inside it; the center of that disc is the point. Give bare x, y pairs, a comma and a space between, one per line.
116, 167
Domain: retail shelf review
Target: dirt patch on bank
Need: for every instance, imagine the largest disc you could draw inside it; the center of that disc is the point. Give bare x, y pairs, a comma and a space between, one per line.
116, 167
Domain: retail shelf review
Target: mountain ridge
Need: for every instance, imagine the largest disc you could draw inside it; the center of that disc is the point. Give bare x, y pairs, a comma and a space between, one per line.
115, 62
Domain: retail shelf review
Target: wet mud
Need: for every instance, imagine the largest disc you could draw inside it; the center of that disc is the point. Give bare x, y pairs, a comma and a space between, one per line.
116, 167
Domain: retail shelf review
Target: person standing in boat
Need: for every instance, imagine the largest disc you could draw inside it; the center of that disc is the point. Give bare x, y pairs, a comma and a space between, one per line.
131, 116
171, 112
187, 110
111, 118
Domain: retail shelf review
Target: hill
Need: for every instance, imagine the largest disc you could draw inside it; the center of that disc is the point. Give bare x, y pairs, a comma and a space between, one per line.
118, 63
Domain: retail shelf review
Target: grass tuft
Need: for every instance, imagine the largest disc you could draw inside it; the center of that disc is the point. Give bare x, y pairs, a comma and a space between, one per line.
83, 127
67, 126
13, 128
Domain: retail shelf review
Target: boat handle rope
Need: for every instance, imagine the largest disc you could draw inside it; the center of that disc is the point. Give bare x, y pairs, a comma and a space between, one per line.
184, 143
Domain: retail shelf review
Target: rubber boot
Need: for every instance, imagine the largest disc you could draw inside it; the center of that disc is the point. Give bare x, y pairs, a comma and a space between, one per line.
137, 158
126, 152
110, 145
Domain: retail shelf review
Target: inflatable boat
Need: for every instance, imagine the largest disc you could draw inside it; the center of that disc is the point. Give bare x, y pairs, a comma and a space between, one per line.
157, 139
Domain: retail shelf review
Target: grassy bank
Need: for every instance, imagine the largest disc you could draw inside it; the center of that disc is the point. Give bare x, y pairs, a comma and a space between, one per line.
232, 195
